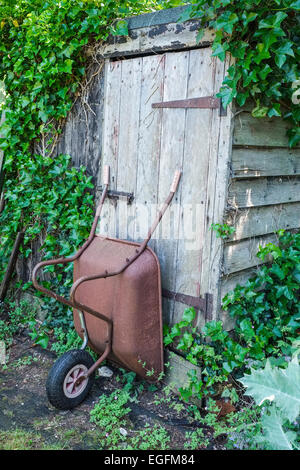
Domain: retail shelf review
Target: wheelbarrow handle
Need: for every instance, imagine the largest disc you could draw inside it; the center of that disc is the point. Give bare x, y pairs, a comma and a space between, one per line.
106, 172
138, 252
60, 298
175, 182
74, 257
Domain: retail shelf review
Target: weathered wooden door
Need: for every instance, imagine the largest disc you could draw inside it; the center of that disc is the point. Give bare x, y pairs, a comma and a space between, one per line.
144, 146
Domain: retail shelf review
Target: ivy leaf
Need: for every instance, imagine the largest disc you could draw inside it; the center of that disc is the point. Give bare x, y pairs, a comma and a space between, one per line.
276, 269
280, 60
248, 17
295, 5
286, 48
264, 72
263, 53
259, 111
24, 101
43, 115
219, 50
227, 95
284, 290
121, 28
67, 66
275, 110
42, 341
273, 21
189, 315
226, 21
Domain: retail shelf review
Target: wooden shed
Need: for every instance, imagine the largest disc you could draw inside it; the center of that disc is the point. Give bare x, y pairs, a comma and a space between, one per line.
235, 168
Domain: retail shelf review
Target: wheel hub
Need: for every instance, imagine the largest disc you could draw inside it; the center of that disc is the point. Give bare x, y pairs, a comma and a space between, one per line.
75, 381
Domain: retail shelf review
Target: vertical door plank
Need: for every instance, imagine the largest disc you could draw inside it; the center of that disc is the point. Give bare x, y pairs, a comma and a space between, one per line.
128, 143
194, 179
171, 158
220, 160
110, 145
216, 188
149, 145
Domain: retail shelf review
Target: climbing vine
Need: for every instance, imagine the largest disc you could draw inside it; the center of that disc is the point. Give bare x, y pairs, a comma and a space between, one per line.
263, 38
48, 56
267, 321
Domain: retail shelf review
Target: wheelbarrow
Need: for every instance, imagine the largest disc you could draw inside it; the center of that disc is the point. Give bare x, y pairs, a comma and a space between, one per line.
117, 309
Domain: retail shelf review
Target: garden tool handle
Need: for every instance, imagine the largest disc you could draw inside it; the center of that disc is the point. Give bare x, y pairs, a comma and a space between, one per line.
175, 182
165, 206
105, 274
106, 172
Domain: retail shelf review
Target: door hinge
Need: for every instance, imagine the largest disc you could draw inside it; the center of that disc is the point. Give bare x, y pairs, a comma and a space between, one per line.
205, 102
199, 303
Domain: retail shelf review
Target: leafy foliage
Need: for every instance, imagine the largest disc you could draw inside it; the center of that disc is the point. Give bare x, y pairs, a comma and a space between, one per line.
282, 388
223, 230
43, 59
267, 321
266, 310
263, 38
14, 316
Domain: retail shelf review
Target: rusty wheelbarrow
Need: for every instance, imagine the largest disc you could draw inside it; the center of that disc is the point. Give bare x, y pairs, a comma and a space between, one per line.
117, 311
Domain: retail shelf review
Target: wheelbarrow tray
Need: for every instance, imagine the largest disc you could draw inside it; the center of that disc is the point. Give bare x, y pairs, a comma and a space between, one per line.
132, 300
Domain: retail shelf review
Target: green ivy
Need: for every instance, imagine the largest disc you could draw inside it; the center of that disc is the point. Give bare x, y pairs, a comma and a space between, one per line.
267, 323
263, 38
43, 59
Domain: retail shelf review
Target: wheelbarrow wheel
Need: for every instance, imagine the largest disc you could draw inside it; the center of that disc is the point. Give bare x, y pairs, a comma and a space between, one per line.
64, 390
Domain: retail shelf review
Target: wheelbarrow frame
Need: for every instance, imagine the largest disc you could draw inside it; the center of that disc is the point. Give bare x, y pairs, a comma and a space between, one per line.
73, 302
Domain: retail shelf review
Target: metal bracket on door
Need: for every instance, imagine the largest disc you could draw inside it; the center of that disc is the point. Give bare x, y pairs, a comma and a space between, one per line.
204, 102
113, 194
205, 304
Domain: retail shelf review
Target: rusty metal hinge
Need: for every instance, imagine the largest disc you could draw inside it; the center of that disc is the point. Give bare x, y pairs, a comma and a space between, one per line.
204, 102
199, 303
113, 194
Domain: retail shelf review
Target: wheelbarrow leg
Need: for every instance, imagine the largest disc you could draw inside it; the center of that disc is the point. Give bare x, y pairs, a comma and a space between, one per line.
83, 329
106, 352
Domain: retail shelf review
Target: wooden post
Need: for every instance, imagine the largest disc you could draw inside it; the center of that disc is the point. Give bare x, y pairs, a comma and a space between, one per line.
11, 265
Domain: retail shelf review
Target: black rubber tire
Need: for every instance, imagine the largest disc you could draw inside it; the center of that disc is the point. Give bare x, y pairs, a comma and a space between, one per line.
58, 373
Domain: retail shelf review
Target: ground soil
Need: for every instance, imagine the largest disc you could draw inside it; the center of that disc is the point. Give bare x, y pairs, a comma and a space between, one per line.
24, 405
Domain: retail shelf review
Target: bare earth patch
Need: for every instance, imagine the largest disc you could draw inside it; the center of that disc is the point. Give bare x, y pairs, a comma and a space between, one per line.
27, 420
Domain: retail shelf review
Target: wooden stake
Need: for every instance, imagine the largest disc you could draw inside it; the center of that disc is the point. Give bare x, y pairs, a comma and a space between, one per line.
11, 265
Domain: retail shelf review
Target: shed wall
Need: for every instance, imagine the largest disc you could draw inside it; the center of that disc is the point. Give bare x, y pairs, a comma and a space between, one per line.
89, 136
263, 193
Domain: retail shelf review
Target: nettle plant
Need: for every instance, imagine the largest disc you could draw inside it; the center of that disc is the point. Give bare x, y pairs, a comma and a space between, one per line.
267, 323
263, 38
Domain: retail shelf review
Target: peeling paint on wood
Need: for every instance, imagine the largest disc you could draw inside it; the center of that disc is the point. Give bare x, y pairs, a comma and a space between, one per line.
156, 39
